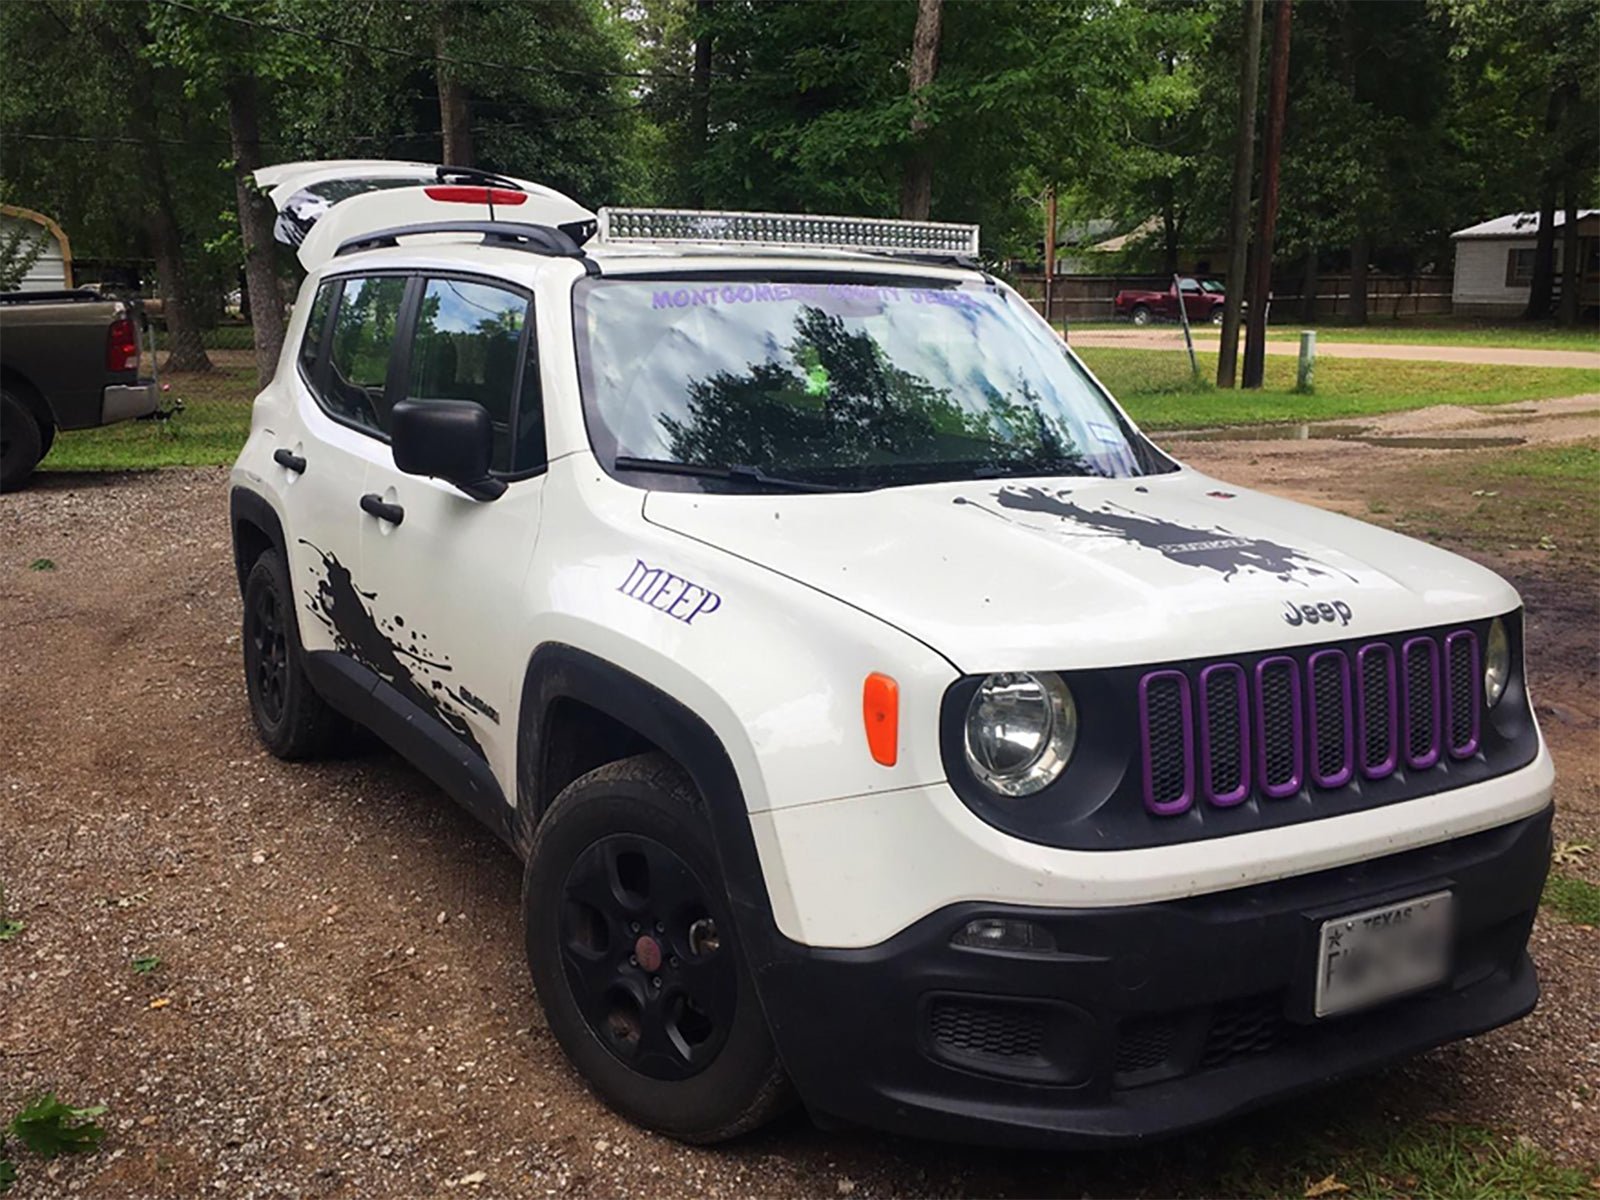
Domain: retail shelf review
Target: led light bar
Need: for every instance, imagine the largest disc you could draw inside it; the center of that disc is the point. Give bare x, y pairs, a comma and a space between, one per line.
785, 231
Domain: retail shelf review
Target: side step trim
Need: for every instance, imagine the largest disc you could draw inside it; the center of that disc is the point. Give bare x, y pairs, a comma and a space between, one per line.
367, 698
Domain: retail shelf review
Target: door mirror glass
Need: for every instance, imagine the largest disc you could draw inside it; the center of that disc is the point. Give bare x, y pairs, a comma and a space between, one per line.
451, 440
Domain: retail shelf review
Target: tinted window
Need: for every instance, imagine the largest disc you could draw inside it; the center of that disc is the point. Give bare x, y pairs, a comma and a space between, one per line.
1188, 285
316, 323
468, 339
363, 336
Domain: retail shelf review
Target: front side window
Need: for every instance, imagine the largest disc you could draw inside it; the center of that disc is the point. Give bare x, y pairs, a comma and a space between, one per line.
1188, 285
468, 346
359, 348
850, 383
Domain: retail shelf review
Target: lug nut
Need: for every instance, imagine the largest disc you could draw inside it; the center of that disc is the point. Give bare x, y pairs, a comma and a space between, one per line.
634, 925
673, 961
633, 960
660, 928
655, 981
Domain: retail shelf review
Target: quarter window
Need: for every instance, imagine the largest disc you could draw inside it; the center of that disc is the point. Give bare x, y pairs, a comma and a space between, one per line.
316, 326
359, 348
468, 346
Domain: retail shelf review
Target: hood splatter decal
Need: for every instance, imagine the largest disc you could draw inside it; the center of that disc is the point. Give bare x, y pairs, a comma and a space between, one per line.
385, 648
1216, 549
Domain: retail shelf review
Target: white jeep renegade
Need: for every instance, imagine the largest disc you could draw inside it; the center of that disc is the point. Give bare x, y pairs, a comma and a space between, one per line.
886, 723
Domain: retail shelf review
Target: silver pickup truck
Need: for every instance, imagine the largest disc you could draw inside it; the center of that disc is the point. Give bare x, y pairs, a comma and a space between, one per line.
68, 360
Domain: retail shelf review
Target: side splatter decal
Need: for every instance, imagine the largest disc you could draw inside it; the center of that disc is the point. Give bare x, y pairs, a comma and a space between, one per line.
669, 593
342, 607
1214, 549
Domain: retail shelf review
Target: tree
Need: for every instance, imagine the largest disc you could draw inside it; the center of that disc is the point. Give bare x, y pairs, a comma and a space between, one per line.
916, 188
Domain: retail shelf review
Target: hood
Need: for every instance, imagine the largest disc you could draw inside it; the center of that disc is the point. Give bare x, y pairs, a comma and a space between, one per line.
1056, 573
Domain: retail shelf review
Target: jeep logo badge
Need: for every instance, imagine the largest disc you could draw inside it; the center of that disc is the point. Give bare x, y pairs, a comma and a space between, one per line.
1316, 614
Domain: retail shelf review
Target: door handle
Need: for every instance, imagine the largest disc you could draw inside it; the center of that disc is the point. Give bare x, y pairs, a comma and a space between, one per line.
373, 503
290, 460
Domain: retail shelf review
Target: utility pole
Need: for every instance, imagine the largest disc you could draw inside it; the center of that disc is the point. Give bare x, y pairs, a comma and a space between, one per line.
1255, 337
1239, 207
1049, 251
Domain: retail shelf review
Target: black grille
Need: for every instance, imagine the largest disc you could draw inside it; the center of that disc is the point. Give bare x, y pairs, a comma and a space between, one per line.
1224, 734
1168, 735
988, 1030
1144, 1043
1377, 710
1328, 690
1251, 1025
1419, 669
1463, 693
1280, 719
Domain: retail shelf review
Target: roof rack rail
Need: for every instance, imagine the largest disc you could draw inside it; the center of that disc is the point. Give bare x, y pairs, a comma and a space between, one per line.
563, 241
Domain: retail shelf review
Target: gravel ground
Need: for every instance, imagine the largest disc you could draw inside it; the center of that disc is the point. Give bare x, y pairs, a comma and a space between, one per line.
342, 1008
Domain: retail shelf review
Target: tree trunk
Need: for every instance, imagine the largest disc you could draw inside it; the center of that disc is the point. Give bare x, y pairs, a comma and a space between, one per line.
1255, 337
1308, 289
916, 185
1542, 287
1169, 229
186, 349
1239, 207
700, 102
1360, 251
1572, 275
455, 108
255, 226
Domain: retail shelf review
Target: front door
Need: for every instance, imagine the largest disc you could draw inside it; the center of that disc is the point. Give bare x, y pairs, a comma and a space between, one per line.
447, 578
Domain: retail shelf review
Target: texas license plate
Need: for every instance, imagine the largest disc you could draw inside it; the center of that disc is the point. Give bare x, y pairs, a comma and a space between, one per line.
1368, 957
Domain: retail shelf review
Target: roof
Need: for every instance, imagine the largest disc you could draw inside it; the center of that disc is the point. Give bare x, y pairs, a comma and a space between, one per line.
1516, 225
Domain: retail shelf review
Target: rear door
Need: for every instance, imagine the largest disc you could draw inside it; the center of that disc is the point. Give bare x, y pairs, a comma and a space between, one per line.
341, 386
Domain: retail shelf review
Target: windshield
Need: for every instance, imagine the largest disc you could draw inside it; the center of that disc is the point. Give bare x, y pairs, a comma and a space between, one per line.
858, 383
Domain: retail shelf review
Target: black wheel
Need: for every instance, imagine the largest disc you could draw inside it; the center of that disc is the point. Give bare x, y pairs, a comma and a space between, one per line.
1141, 315
22, 441
636, 960
293, 721
1216, 315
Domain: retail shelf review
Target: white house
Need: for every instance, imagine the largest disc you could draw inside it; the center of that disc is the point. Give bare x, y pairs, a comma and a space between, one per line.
1494, 262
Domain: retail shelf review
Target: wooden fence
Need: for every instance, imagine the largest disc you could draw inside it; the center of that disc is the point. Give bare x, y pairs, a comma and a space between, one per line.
1089, 297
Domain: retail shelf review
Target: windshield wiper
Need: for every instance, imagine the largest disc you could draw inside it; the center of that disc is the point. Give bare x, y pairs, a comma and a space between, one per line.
737, 473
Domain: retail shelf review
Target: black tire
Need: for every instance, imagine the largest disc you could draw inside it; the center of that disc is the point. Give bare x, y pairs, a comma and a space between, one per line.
683, 1048
1141, 314
292, 720
1216, 314
22, 441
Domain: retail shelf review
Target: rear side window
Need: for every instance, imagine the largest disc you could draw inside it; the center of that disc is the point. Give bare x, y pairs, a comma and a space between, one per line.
469, 346
359, 347
316, 325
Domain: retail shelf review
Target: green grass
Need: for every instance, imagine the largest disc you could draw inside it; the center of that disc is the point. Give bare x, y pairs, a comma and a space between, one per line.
1157, 387
1575, 900
209, 430
1416, 331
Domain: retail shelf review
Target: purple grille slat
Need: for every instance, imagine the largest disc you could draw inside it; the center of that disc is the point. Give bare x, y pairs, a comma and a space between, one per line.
1179, 803
1207, 764
1469, 747
1410, 702
1385, 767
1291, 785
1337, 778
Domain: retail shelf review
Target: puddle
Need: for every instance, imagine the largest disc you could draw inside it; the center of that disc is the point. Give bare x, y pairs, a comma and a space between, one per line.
1307, 432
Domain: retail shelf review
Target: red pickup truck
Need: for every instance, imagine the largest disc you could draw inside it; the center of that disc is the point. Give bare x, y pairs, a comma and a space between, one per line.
1202, 300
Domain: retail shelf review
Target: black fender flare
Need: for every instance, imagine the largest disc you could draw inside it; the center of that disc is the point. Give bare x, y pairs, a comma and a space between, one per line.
556, 672
246, 507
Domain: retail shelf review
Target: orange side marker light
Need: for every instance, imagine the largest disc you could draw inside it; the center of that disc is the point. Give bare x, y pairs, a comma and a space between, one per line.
880, 711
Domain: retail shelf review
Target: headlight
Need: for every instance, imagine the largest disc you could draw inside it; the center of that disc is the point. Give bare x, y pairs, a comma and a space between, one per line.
1496, 663
1020, 732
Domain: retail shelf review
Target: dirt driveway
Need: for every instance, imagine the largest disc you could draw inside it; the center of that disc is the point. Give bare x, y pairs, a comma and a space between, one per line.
341, 1006
1206, 338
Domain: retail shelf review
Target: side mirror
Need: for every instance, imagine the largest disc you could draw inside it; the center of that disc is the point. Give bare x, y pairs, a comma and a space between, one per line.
451, 440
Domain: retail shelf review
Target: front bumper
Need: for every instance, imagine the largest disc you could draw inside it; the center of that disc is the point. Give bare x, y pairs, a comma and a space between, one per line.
124, 402
1150, 1019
